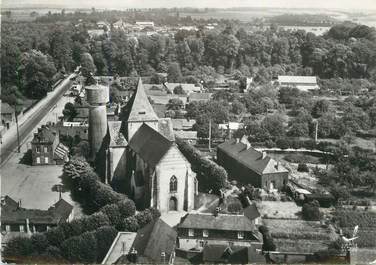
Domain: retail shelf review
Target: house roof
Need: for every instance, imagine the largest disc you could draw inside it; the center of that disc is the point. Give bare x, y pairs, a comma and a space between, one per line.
116, 136
61, 151
225, 222
141, 109
44, 135
230, 125
297, 79
251, 212
155, 238
6, 108
251, 158
183, 124
120, 246
190, 135
188, 88
57, 213
149, 144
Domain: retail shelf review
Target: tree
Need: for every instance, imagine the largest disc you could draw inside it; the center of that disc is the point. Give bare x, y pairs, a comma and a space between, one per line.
320, 107
178, 90
87, 65
311, 211
175, 104
174, 73
69, 111
81, 248
144, 217
274, 125
37, 71
237, 107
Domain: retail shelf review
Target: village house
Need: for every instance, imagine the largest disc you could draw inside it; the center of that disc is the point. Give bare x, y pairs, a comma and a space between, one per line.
18, 221
196, 231
8, 115
303, 83
46, 148
154, 243
73, 129
249, 166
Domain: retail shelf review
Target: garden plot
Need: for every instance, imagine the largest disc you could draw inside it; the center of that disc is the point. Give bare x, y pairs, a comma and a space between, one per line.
300, 236
278, 209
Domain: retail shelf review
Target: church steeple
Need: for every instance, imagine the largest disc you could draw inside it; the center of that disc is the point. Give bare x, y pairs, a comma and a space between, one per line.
139, 111
141, 108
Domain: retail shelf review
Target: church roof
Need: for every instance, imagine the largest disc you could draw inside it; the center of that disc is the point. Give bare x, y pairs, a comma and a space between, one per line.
141, 109
149, 144
116, 136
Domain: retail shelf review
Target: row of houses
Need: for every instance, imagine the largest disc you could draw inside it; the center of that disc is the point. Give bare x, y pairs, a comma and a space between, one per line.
198, 238
19, 221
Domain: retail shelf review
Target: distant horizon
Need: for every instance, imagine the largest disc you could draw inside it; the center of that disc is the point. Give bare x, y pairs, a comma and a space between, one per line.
345, 5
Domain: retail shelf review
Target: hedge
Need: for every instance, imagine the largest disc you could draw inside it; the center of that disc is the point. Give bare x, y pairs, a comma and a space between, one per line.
209, 172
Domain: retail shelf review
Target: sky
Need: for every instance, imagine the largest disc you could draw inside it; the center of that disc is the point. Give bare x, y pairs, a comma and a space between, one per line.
337, 4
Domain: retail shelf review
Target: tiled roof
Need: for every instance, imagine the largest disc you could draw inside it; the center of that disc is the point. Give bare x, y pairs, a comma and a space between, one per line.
57, 213
149, 144
141, 109
183, 124
251, 158
225, 222
116, 136
44, 135
155, 238
61, 151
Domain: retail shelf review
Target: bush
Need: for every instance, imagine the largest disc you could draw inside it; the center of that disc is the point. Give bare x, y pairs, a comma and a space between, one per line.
19, 246
130, 224
127, 208
95, 221
234, 207
311, 211
105, 235
282, 143
303, 167
81, 248
55, 236
113, 213
40, 242
144, 217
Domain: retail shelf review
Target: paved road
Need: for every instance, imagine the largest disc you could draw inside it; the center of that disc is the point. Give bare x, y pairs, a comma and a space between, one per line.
10, 146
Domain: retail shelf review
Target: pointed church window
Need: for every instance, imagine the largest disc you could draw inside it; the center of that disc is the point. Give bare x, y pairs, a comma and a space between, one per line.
173, 184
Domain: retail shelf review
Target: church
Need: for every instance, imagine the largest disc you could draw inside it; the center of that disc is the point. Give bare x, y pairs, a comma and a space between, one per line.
141, 153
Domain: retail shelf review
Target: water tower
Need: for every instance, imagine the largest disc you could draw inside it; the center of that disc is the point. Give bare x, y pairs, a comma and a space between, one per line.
97, 98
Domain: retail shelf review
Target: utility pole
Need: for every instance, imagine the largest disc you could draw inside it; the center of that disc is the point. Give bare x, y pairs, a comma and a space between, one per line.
316, 129
18, 131
209, 135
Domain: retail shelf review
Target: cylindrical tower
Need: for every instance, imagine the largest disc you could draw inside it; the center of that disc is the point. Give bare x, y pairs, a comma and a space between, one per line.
97, 97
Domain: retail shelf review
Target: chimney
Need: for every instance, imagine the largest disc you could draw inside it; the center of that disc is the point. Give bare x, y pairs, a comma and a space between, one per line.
263, 154
277, 165
19, 203
237, 140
